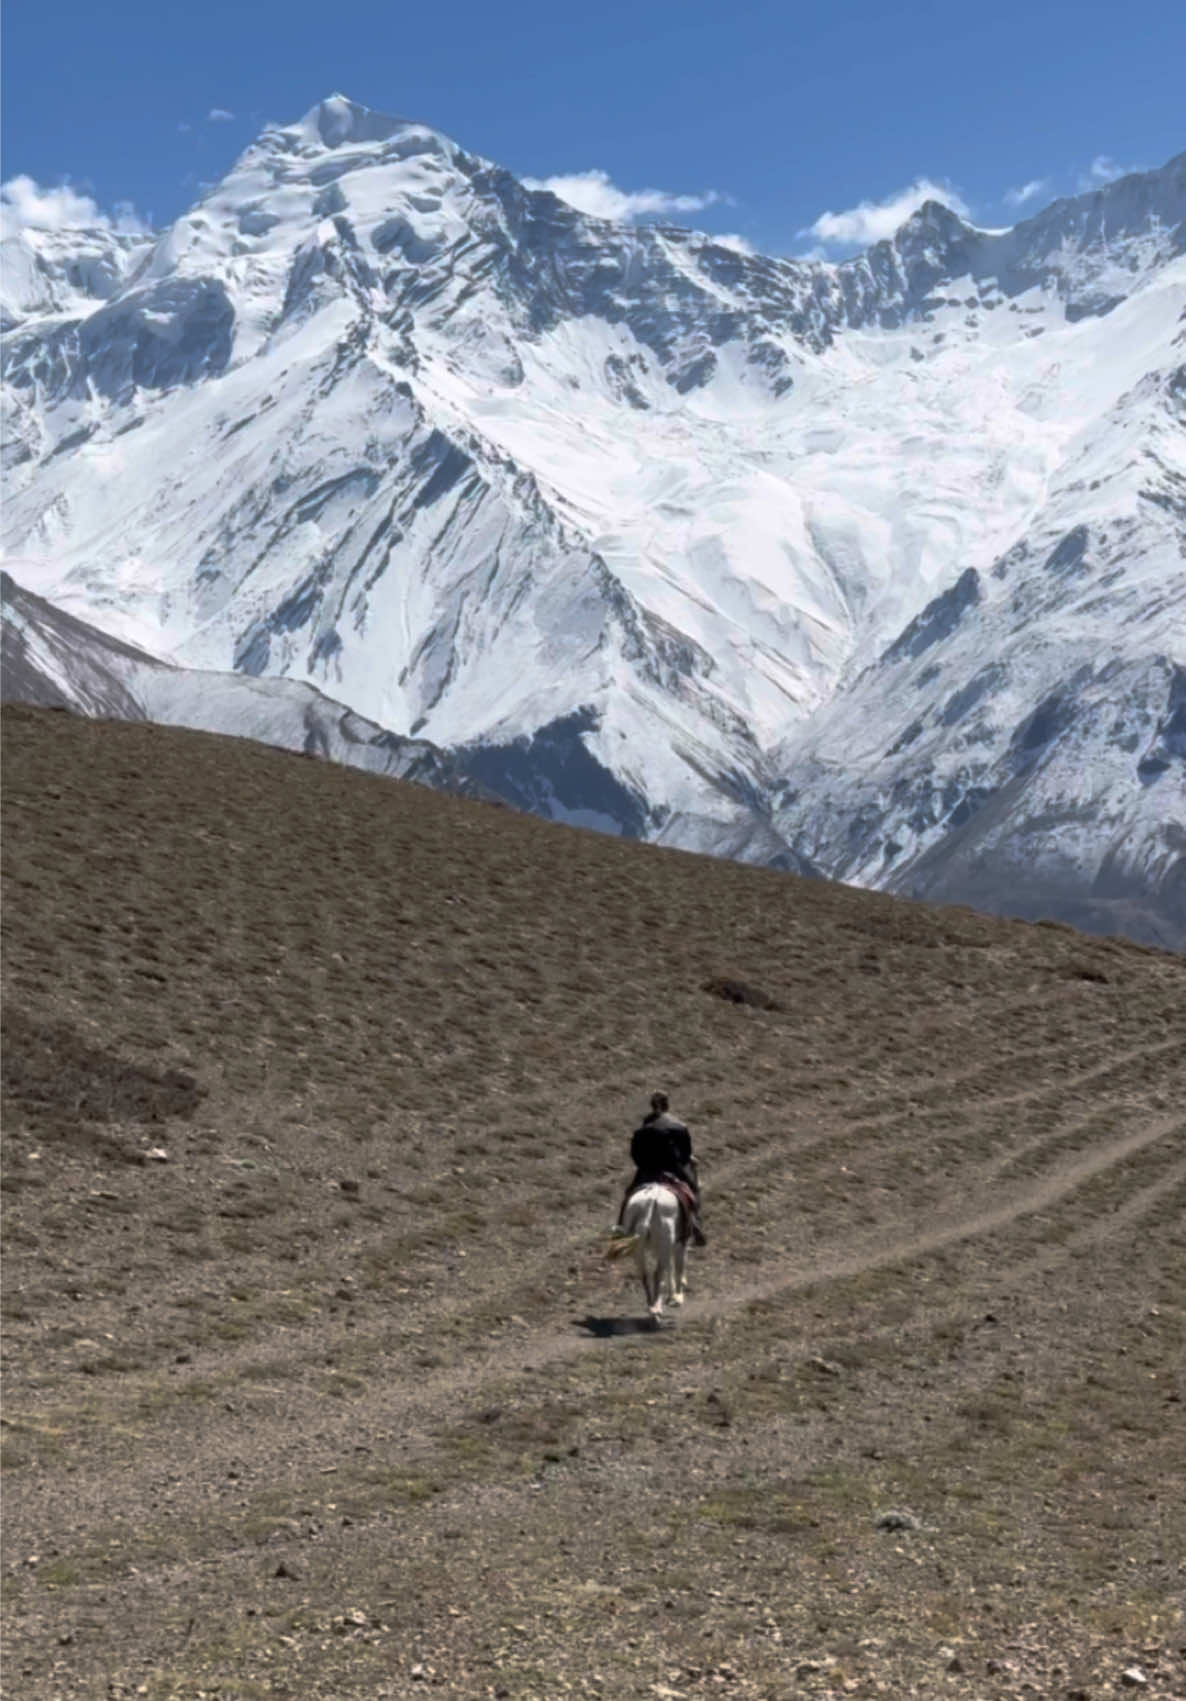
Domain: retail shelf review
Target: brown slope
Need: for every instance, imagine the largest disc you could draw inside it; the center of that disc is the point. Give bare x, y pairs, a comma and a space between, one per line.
945, 1182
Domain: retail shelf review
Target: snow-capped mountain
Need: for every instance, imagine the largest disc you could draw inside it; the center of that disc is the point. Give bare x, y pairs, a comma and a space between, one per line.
775, 558
60, 662
64, 273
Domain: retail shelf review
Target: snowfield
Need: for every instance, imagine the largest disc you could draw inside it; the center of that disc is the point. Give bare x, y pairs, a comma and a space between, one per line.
878, 566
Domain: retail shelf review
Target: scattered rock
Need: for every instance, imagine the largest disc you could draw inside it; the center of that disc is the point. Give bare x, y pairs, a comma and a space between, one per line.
898, 1520
718, 1411
739, 992
825, 1366
350, 1187
1132, 1677
286, 1570
351, 1620
156, 1155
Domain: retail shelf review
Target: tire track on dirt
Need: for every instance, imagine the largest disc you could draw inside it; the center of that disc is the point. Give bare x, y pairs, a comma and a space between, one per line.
1038, 1196
872, 1252
320, 1437
525, 1274
435, 1399
731, 1176
1120, 1219
947, 1089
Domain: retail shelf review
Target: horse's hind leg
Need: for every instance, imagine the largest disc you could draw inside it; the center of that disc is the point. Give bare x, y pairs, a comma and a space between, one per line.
669, 1275
644, 1275
655, 1284
658, 1284
679, 1259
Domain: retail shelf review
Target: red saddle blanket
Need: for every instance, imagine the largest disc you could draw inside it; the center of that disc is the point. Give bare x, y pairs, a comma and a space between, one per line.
685, 1195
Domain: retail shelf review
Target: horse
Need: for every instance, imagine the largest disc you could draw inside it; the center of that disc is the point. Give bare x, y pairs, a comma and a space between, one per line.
650, 1229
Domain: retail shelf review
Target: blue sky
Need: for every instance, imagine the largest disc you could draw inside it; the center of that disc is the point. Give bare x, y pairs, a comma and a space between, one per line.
758, 119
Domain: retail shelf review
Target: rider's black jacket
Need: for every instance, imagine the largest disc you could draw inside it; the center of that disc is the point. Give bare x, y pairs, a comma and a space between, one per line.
662, 1146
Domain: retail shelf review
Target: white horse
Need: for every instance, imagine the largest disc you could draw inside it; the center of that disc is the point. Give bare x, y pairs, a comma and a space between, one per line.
650, 1228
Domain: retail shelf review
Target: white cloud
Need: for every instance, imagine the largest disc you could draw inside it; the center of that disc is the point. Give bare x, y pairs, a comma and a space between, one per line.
183, 129
739, 244
219, 115
873, 221
592, 192
1027, 192
1103, 169
27, 205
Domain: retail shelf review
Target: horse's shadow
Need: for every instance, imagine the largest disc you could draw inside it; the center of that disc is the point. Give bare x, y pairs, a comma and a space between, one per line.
605, 1328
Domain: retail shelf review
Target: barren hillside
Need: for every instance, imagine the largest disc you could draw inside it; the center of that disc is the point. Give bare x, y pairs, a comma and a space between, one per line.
340, 1398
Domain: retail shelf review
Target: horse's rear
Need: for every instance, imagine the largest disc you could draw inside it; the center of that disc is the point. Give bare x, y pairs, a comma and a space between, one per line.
651, 1221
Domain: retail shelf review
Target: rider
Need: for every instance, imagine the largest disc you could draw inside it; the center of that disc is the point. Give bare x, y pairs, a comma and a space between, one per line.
662, 1146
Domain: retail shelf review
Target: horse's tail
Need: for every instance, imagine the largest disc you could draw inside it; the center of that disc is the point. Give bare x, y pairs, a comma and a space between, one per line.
620, 1243
624, 1240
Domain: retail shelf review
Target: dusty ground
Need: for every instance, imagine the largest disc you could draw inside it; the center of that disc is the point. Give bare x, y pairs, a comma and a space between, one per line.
343, 1400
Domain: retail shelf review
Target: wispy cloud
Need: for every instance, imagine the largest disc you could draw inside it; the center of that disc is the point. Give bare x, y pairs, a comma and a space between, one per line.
873, 221
594, 193
730, 239
1026, 192
219, 115
1103, 170
28, 205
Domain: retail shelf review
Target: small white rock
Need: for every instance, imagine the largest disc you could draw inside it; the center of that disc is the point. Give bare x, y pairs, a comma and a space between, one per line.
1134, 1678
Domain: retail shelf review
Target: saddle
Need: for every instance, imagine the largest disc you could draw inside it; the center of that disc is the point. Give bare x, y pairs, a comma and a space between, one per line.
685, 1195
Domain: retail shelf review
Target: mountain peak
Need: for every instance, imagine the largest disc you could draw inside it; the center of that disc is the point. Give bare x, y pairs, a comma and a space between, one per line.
337, 120
934, 223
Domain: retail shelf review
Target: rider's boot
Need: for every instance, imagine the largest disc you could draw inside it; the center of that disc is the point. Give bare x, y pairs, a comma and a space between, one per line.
699, 1238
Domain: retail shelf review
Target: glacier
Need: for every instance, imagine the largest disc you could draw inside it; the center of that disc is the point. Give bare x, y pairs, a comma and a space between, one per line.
874, 568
